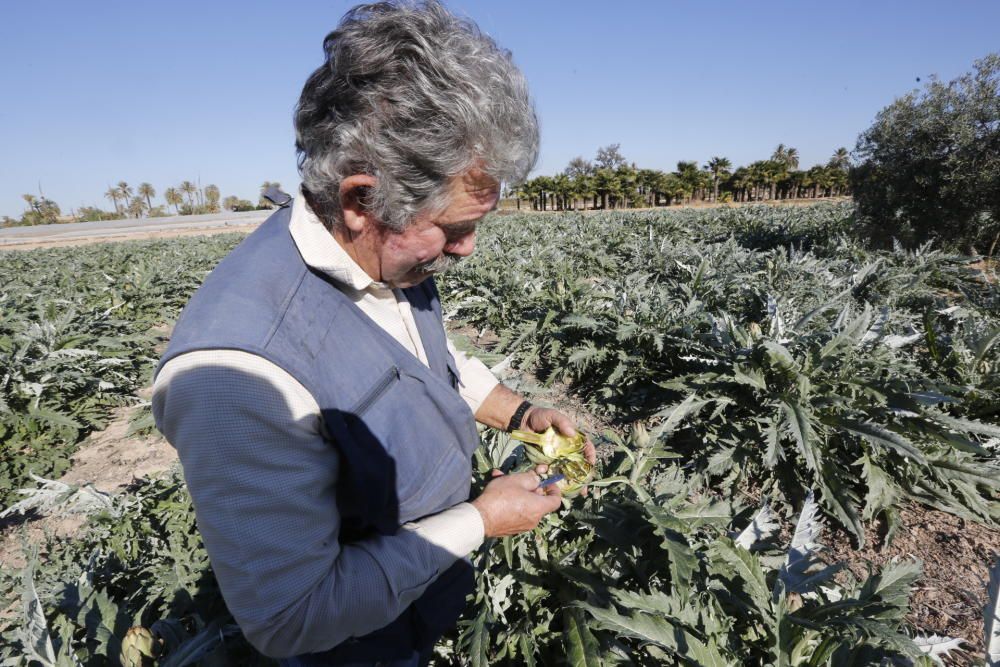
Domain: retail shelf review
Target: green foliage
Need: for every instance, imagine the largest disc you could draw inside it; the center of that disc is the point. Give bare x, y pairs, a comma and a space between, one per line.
141, 563
740, 348
853, 372
645, 571
77, 340
930, 164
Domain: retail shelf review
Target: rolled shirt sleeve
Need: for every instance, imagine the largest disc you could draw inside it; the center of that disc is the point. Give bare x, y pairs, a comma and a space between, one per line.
476, 380
262, 479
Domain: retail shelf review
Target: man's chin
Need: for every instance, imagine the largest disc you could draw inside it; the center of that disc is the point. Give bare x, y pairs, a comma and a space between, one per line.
410, 280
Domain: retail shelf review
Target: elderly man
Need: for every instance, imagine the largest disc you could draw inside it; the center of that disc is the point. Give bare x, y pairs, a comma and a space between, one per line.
324, 421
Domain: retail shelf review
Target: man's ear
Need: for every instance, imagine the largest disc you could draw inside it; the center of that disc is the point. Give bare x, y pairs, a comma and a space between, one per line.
354, 199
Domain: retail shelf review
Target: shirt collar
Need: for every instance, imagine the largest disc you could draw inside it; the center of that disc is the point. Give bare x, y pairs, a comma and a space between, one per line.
321, 251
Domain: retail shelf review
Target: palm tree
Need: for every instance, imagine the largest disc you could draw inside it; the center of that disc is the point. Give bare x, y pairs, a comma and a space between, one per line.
627, 178
840, 159
189, 188
174, 199
690, 178
562, 190
605, 184
739, 183
792, 158
146, 190
136, 207
719, 168
112, 194
124, 191
583, 187
31, 200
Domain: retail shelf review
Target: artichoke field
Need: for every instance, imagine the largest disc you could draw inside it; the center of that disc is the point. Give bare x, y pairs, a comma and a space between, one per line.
763, 376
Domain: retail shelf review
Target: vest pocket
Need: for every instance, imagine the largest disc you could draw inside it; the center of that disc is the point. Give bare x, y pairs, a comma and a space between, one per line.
378, 389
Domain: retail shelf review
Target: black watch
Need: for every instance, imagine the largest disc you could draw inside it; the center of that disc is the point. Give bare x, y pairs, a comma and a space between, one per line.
515, 420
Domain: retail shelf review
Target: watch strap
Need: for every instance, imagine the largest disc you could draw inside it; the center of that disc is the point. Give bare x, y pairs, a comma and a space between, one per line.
518, 416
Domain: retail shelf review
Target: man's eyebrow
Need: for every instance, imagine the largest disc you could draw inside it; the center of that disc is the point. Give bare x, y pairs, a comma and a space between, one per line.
460, 228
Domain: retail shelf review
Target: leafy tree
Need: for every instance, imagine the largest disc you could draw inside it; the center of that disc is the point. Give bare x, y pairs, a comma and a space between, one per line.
212, 196
929, 166
578, 167
41, 211
610, 157
92, 213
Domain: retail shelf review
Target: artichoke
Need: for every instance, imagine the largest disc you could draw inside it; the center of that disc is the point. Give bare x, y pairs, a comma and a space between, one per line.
139, 648
562, 454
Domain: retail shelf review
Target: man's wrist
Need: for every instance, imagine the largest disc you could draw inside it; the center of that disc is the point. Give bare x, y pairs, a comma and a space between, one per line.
483, 515
517, 419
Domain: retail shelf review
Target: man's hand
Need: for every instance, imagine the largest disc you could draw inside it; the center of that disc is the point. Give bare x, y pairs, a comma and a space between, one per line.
539, 419
512, 504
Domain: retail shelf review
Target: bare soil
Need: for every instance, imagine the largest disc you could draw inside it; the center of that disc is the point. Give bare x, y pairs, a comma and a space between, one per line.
956, 555
109, 461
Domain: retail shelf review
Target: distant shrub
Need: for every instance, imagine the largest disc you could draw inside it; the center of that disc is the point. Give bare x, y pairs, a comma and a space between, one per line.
929, 166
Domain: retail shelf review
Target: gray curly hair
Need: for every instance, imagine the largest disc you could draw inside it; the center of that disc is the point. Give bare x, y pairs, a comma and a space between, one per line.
414, 96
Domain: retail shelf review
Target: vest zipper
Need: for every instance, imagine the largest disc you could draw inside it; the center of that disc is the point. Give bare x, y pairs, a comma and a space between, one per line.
376, 392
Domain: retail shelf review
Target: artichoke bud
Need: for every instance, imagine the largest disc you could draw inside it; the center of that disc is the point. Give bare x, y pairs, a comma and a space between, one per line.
139, 648
563, 454
640, 436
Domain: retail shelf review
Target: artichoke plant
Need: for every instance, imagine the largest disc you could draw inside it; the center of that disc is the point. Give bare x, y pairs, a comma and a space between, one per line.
139, 648
564, 455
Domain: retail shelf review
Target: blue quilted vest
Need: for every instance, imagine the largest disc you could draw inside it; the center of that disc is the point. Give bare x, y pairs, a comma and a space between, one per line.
404, 434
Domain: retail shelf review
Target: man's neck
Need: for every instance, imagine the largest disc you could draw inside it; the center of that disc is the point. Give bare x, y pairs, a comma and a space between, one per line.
358, 250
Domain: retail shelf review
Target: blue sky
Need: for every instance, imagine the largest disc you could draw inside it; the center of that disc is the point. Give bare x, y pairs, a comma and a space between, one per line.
102, 91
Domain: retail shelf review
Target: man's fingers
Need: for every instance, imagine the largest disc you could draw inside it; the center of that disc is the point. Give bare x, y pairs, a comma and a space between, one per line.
590, 452
553, 501
496, 473
527, 480
563, 424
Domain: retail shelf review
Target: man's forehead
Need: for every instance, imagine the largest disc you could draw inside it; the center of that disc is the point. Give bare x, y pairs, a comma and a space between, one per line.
473, 195
477, 184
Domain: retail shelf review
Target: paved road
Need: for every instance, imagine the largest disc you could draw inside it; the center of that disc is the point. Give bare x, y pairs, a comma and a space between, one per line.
76, 231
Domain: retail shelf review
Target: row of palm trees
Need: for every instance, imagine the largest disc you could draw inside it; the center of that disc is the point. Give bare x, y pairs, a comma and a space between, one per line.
611, 182
138, 202
187, 198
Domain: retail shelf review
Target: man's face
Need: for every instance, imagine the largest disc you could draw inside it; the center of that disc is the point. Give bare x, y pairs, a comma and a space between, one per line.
432, 243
